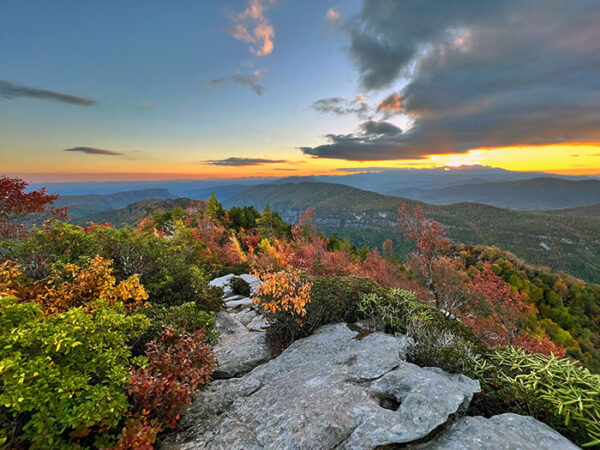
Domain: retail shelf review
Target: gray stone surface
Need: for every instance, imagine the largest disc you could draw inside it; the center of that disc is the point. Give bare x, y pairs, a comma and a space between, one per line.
326, 391
245, 316
244, 301
238, 350
223, 282
257, 324
502, 432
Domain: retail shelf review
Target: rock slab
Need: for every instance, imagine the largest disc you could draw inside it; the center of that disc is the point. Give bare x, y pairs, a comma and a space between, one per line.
239, 350
330, 390
502, 432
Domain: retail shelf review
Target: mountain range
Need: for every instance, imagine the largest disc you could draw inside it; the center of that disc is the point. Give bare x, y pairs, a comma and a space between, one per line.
567, 240
493, 186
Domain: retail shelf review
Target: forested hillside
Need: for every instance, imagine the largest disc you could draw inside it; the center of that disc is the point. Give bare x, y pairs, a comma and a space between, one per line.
562, 242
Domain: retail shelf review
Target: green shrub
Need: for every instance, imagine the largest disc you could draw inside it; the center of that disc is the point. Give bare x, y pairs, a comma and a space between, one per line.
333, 299
239, 286
437, 341
172, 271
435, 346
558, 391
393, 311
63, 377
181, 319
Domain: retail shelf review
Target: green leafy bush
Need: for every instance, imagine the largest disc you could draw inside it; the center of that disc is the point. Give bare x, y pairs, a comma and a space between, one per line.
333, 299
182, 319
239, 286
559, 392
437, 341
171, 270
63, 377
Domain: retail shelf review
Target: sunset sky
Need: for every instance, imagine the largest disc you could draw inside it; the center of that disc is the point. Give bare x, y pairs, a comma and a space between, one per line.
195, 89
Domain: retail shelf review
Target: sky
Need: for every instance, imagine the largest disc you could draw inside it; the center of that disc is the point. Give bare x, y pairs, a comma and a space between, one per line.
221, 88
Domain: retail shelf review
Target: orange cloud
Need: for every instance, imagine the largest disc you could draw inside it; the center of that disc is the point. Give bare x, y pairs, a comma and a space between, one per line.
253, 26
390, 104
332, 15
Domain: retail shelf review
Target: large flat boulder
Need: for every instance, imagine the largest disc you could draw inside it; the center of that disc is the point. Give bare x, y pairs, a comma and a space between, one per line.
330, 390
501, 432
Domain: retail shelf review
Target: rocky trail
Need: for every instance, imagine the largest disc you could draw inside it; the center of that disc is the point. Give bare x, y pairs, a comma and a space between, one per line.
338, 389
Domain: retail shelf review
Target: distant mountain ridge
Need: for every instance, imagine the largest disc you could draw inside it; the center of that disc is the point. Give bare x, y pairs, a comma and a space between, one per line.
133, 213
533, 194
83, 205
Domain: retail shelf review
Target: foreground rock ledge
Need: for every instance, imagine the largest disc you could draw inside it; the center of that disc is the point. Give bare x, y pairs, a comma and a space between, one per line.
334, 390
328, 390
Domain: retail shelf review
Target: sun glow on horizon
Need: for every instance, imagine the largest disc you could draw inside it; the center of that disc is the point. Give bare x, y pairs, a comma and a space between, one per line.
580, 159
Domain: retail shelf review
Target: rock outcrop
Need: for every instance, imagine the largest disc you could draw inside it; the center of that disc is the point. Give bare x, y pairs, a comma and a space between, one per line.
239, 350
339, 389
501, 432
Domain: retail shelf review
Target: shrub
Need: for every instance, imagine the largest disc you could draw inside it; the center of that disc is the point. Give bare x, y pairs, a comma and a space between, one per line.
177, 365
332, 299
72, 287
171, 270
138, 434
239, 286
567, 394
63, 377
392, 311
437, 341
439, 347
181, 319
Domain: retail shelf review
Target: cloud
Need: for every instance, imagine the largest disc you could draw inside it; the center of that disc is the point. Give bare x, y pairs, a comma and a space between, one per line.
332, 15
247, 80
233, 161
250, 80
376, 140
253, 26
10, 90
341, 106
390, 105
92, 151
215, 82
475, 75
379, 128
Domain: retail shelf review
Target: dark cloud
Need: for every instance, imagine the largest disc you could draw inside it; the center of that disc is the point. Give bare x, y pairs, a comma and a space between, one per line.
92, 151
233, 161
342, 106
379, 128
10, 90
250, 80
477, 74
375, 141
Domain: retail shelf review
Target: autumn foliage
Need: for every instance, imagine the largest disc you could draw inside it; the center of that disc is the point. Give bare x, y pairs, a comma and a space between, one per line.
282, 291
72, 287
177, 366
493, 309
16, 205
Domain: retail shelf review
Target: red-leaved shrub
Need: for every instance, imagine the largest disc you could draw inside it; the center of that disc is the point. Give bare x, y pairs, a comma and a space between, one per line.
177, 366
